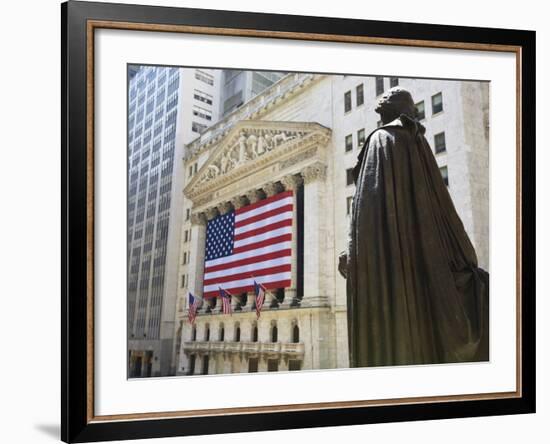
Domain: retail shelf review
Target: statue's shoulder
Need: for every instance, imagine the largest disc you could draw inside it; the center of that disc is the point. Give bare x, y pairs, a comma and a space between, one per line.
403, 126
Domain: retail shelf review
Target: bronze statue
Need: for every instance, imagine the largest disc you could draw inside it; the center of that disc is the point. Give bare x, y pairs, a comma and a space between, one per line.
414, 290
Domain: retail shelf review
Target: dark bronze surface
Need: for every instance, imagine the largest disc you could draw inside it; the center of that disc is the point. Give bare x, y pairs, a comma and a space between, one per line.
415, 292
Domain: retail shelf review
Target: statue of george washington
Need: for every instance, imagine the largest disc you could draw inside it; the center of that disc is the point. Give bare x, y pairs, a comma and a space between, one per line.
414, 290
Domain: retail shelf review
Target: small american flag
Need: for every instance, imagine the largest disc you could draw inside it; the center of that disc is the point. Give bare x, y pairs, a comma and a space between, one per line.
259, 290
193, 305
251, 243
226, 301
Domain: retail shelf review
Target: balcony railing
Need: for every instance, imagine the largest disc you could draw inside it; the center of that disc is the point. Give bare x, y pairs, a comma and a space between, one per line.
279, 348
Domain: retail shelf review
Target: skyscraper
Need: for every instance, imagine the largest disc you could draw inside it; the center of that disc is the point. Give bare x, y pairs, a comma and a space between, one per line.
167, 107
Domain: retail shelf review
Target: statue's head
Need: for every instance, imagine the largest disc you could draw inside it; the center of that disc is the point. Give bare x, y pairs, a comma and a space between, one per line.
394, 102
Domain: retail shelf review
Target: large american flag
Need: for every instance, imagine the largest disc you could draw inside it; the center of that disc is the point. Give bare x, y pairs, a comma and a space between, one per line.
252, 243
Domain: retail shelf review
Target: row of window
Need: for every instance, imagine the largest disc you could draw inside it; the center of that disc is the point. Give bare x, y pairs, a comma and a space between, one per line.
273, 333
348, 142
436, 99
360, 92
440, 145
444, 170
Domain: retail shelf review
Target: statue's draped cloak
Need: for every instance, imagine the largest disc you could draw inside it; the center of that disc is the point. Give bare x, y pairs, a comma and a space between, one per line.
415, 292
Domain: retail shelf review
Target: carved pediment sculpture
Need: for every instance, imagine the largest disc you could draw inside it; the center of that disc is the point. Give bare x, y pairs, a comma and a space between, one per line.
251, 144
250, 141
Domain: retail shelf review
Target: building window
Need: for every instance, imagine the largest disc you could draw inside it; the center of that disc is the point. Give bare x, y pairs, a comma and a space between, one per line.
420, 110
379, 85
207, 332
360, 95
205, 361
294, 364
187, 213
349, 142
394, 81
202, 112
196, 168
191, 370
182, 281
194, 334
295, 334
252, 365
238, 334
184, 258
349, 176
445, 174
197, 127
186, 236
203, 97
439, 142
360, 138
347, 102
349, 202
272, 365
222, 333
437, 103
204, 77
274, 333
191, 171
255, 333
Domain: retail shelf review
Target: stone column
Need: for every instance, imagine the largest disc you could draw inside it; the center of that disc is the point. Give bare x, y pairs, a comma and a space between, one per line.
291, 183
197, 252
262, 363
244, 364
211, 364
198, 364
316, 249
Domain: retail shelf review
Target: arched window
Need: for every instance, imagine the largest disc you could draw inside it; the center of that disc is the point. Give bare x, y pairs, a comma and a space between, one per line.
194, 333
207, 332
222, 333
237, 333
254, 332
274, 333
295, 334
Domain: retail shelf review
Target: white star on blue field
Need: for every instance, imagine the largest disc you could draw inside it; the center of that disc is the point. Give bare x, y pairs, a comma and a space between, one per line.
220, 236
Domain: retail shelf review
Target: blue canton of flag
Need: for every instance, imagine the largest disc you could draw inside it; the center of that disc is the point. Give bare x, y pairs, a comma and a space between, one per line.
220, 236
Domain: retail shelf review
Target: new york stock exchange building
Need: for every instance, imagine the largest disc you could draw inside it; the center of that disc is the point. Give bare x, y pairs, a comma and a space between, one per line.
267, 198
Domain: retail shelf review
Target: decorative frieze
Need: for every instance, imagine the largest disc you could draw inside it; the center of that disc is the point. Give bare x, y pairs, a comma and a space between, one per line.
238, 202
271, 188
211, 213
297, 158
254, 196
224, 207
315, 171
198, 219
291, 182
252, 143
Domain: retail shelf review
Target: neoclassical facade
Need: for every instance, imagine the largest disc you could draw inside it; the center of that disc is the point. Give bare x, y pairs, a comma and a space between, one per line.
302, 135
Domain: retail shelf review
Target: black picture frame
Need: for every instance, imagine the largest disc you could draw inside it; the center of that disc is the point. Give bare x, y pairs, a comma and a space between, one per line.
77, 424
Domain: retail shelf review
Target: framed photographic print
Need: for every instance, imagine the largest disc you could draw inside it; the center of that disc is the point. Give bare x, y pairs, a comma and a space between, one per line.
275, 221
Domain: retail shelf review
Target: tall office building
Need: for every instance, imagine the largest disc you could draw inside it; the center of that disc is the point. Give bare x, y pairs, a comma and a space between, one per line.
239, 87
168, 107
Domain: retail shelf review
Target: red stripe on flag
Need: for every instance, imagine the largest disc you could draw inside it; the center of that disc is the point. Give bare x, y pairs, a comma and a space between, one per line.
265, 243
238, 290
263, 202
266, 229
248, 274
263, 216
249, 260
